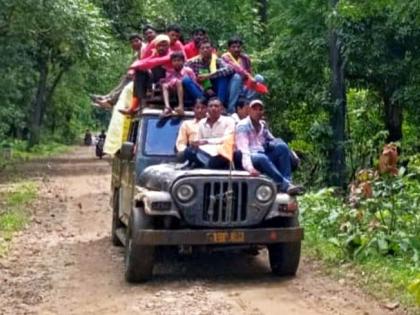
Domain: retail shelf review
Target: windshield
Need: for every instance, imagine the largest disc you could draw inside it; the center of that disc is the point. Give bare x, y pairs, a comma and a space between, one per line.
161, 136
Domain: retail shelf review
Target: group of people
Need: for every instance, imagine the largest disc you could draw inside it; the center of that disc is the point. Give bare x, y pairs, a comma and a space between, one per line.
191, 71
256, 149
215, 85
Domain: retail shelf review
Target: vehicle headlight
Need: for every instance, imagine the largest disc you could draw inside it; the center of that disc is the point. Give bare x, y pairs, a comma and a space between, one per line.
185, 192
264, 193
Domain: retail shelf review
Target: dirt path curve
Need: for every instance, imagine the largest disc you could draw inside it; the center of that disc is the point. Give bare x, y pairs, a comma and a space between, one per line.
64, 263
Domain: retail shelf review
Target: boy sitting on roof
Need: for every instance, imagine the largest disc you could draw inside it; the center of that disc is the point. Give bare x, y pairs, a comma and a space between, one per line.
173, 80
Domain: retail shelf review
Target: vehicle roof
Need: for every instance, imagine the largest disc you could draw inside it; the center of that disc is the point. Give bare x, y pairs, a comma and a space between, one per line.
157, 112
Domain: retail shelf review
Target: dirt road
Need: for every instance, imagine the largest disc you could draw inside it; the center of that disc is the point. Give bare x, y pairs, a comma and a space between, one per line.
64, 263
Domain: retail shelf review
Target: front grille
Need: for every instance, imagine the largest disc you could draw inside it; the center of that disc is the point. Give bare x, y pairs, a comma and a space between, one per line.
224, 202
220, 202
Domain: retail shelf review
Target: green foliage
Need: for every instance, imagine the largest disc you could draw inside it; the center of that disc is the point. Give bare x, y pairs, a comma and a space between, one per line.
14, 200
51, 38
386, 224
222, 19
378, 232
19, 151
414, 288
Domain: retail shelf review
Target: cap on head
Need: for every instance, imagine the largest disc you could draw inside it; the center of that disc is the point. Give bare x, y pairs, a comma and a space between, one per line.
161, 38
256, 102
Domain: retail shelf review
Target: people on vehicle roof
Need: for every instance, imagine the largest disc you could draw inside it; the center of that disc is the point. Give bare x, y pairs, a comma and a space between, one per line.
213, 74
261, 153
241, 63
173, 81
174, 33
188, 131
158, 62
212, 131
110, 99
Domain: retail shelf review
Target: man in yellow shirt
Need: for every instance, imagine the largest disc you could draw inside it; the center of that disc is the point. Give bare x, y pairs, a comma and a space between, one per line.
188, 132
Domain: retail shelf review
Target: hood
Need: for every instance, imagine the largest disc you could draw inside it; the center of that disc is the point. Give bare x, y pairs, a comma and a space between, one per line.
161, 176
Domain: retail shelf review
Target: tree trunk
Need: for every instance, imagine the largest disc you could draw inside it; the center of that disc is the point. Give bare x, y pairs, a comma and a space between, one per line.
263, 14
50, 93
263, 11
393, 119
38, 104
337, 158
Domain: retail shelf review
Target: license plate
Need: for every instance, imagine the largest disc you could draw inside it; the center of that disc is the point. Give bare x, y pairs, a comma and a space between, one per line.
226, 237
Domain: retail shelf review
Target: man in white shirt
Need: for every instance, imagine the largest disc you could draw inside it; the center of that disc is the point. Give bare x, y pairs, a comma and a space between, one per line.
212, 132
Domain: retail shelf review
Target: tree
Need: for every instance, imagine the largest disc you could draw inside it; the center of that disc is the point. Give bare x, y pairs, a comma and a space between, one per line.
54, 36
337, 157
383, 53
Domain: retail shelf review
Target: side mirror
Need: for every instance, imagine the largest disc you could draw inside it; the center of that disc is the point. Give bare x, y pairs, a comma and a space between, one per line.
126, 151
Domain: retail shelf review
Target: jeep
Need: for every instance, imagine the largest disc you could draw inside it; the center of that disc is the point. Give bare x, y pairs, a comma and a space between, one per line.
157, 203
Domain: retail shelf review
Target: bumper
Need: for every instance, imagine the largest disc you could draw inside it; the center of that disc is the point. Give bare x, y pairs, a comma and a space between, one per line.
219, 237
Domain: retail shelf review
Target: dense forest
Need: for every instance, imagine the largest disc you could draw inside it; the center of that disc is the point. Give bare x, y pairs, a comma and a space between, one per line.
344, 79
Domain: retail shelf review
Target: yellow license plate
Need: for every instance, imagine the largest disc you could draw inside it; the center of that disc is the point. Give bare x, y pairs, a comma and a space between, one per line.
226, 237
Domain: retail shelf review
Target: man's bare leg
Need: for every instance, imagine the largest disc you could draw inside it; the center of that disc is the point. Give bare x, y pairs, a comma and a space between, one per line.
180, 92
165, 92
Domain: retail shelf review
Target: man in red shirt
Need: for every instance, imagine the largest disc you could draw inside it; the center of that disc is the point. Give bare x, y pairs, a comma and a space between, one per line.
149, 34
157, 63
191, 48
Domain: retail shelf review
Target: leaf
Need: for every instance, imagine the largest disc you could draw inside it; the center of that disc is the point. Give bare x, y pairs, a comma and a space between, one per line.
382, 245
414, 288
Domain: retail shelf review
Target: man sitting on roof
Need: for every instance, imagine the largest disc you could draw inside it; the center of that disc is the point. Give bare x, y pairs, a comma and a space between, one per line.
259, 154
192, 47
241, 63
212, 73
157, 63
212, 132
149, 34
188, 132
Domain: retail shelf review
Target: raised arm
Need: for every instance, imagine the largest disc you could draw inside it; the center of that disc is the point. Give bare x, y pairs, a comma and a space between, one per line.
149, 63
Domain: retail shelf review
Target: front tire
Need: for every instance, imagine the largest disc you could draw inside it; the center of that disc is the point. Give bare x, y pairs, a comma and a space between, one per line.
284, 257
139, 259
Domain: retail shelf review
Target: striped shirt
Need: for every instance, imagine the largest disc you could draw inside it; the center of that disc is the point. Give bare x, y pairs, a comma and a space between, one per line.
248, 141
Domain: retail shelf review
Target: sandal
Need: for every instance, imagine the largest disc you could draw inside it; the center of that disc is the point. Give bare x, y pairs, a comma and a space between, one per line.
166, 112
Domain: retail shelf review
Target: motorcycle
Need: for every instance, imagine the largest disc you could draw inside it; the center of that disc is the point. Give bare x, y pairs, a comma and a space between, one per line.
100, 147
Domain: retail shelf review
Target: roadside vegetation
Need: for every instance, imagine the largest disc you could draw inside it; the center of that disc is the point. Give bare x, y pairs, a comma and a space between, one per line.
16, 151
376, 241
15, 199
